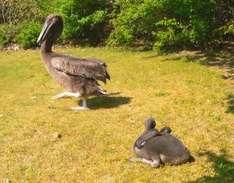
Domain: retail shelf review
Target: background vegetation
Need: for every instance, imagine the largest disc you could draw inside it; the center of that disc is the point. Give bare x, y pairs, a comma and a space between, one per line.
142, 24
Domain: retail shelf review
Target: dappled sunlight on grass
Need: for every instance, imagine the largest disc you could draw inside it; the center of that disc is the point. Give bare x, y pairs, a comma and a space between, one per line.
223, 167
95, 145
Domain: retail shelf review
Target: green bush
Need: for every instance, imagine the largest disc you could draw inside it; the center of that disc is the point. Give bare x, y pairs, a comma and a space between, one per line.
170, 34
133, 26
28, 36
85, 20
3, 39
226, 31
8, 33
144, 24
163, 24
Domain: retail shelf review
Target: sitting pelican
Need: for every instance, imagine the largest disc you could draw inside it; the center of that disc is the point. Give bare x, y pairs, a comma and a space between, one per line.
78, 76
156, 148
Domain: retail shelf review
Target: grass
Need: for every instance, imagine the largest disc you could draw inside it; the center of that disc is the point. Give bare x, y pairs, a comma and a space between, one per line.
95, 145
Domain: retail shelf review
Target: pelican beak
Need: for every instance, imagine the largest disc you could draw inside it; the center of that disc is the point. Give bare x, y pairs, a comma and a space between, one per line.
44, 32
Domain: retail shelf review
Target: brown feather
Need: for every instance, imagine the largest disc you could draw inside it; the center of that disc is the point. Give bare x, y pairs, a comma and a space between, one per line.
86, 67
73, 73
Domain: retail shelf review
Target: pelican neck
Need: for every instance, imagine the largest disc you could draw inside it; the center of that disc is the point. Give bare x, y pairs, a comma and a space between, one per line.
46, 46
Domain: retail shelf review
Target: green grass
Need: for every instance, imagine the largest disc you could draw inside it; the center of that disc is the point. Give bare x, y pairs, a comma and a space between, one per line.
95, 145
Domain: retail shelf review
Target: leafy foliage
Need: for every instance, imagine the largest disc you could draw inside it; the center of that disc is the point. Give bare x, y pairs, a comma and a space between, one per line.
85, 20
8, 33
147, 24
162, 24
28, 36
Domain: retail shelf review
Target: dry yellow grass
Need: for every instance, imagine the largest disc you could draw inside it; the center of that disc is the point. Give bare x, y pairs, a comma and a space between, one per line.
95, 144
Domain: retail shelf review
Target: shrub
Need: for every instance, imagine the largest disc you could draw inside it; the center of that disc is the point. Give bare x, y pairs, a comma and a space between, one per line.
170, 34
8, 33
163, 24
225, 32
134, 24
146, 24
28, 36
3, 39
85, 20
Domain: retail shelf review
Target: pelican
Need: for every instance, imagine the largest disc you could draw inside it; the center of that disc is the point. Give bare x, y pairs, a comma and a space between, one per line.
79, 76
156, 148
149, 132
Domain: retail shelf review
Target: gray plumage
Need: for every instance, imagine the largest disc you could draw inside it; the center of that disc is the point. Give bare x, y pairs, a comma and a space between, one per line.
79, 76
162, 148
165, 130
149, 132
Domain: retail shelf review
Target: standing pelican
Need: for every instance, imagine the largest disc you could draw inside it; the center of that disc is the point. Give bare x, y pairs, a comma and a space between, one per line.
78, 76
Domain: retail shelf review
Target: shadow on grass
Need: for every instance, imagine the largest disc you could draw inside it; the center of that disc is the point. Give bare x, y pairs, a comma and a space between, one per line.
108, 102
223, 58
230, 101
223, 167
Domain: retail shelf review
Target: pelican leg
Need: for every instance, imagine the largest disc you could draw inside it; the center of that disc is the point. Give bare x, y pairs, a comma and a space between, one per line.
66, 94
82, 107
153, 163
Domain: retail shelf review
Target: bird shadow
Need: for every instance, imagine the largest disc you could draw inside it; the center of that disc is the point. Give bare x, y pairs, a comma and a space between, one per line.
224, 169
108, 102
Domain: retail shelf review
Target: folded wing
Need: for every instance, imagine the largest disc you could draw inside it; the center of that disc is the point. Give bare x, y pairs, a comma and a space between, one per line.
140, 142
85, 67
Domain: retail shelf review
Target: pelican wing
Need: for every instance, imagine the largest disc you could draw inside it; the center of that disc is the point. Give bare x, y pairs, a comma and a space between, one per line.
140, 142
85, 67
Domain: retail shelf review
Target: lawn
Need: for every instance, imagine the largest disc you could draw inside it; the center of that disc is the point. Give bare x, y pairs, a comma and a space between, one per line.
95, 145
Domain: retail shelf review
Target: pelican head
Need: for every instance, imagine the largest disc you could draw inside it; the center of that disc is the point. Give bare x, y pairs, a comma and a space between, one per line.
150, 124
52, 29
